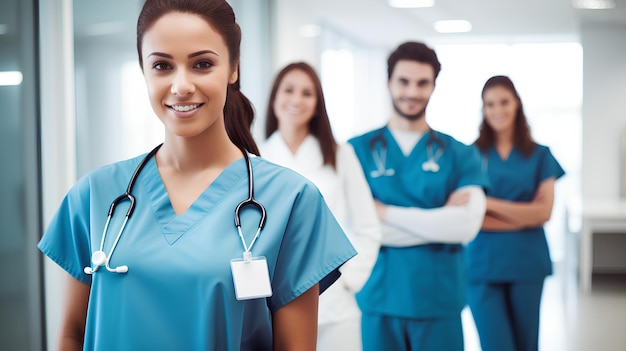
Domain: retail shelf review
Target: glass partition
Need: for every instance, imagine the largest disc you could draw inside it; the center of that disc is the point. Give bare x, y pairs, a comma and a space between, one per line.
20, 263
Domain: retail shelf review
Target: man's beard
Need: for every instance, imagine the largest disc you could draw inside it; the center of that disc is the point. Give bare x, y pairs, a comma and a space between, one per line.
413, 117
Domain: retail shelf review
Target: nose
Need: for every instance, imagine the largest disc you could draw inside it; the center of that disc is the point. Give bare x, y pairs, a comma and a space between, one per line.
413, 90
182, 83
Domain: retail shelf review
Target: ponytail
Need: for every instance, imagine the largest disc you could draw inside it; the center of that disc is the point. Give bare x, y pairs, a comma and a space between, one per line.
238, 117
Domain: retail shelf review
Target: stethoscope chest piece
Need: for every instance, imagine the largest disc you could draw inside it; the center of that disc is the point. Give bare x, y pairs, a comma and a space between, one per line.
430, 166
99, 258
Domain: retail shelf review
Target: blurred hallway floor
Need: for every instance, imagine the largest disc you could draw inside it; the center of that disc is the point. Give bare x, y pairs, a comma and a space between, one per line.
572, 320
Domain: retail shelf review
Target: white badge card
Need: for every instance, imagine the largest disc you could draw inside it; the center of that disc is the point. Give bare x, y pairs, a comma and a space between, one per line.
251, 278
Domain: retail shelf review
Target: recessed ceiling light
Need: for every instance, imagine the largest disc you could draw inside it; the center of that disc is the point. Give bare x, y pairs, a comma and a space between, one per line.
310, 31
593, 4
10, 78
453, 26
405, 4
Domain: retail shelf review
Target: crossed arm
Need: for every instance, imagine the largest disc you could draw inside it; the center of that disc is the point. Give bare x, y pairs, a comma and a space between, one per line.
503, 215
458, 221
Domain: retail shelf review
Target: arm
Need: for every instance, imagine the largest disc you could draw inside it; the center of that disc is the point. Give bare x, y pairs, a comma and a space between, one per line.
519, 215
458, 221
75, 315
364, 228
295, 324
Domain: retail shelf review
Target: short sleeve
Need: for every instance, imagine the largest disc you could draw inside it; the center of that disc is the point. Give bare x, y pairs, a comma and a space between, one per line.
471, 167
66, 241
550, 167
313, 247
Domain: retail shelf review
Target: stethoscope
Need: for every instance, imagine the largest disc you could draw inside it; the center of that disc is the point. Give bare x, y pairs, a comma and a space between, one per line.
100, 258
380, 154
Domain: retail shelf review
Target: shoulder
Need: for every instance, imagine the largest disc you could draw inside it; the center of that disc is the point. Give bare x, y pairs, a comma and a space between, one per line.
271, 142
273, 175
455, 145
541, 149
345, 151
539, 152
114, 170
366, 137
450, 140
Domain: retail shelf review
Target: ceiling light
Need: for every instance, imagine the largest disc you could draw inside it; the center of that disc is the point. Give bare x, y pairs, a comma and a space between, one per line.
405, 4
593, 4
310, 31
453, 26
10, 78
3, 29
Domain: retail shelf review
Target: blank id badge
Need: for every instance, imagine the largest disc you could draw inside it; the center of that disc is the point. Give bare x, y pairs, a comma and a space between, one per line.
251, 278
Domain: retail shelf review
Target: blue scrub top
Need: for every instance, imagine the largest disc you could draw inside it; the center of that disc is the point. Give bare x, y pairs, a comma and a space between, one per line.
178, 293
423, 280
519, 254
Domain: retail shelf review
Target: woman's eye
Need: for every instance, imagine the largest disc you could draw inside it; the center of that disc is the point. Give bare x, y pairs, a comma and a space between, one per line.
203, 65
160, 66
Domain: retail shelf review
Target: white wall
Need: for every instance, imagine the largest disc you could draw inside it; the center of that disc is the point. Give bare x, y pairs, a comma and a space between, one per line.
604, 109
289, 46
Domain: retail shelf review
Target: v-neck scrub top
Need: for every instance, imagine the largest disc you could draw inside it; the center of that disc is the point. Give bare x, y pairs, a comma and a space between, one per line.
421, 281
178, 293
518, 254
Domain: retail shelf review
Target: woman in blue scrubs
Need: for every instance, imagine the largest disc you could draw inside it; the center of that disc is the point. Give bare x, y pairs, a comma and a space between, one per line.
509, 259
179, 274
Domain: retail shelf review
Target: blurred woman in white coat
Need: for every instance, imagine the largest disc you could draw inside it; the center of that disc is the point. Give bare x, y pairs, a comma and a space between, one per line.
299, 137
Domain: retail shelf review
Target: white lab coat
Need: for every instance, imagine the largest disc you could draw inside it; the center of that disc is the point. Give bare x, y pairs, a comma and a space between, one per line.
349, 198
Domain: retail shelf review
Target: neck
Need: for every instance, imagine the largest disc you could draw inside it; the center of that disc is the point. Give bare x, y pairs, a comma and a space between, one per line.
504, 138
293, 136
194, 154
400, 123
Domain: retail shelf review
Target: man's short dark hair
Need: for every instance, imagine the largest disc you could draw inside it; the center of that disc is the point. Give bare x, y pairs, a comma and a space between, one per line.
413, 51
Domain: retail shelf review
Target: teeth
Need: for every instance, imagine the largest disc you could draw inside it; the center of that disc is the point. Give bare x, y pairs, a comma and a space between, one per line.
293, 110
185, 108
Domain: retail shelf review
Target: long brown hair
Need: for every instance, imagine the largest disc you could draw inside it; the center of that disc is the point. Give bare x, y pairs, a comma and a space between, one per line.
319, 125
522, 138
238, 111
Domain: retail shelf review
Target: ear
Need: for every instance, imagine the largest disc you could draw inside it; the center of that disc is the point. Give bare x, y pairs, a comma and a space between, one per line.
234, 75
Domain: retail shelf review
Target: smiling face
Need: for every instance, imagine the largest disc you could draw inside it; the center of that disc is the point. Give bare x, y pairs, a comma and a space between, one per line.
500, 108
187, 70
411, 84
295, 100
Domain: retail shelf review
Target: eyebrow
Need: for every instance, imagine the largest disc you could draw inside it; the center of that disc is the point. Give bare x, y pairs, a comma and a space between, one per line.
192, 55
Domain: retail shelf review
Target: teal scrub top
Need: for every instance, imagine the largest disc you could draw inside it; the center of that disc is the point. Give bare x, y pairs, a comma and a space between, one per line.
420, 281
179, 293
519, 254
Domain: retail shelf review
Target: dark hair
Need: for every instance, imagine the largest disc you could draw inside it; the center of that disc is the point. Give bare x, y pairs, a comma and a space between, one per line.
522, 138
238, 111
413, 51
319, 125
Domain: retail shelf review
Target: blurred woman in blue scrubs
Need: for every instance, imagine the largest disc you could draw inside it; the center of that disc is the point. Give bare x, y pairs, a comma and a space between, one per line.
509, 259
299, 137
180, 274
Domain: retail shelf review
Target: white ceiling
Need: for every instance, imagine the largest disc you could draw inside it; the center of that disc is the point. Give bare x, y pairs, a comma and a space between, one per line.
374, 22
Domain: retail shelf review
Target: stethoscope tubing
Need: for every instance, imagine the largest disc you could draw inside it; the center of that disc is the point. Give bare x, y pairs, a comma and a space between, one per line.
380, 154
100, 258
